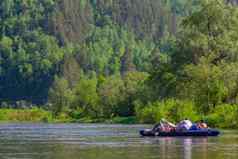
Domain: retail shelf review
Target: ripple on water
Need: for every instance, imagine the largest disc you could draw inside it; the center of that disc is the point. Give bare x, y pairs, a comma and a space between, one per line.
86, 141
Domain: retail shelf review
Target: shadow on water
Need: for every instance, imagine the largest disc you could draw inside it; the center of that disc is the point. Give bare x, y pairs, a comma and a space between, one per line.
98, 141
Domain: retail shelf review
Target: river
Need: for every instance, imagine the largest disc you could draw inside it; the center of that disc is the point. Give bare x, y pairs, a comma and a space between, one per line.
98, 141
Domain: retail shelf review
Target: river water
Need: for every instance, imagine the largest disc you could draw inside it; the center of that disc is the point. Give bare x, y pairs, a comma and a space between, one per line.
97, 141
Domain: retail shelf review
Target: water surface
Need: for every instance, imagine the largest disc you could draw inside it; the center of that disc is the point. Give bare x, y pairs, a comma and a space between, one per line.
97, 141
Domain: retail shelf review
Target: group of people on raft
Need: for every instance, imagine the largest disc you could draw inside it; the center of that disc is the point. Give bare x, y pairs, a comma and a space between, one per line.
184, 125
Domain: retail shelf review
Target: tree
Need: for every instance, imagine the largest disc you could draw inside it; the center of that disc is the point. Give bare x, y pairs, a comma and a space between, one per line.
71, 70
86, 97
127, 64
134, 90
206, 49
60, 96
205, 85
210, 32
29, 55
112, 94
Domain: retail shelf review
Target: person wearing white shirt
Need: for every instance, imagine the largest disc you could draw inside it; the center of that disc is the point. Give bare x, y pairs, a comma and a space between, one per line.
184, 125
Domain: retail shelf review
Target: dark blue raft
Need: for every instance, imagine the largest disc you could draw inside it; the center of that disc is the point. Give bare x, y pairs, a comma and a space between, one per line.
203, 132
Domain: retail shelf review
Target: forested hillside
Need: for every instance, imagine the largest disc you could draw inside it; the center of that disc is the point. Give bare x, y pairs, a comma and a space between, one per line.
108, 58
39, 38
145, 18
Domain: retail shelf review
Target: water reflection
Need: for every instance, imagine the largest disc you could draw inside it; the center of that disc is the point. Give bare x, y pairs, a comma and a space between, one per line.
188, 144
75, 141
188, 148
181, 147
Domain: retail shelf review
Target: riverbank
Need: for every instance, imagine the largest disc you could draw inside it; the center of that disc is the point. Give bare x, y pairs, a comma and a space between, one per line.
39, 115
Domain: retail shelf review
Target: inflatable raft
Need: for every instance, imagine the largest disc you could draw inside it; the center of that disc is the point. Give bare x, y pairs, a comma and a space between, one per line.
204, 132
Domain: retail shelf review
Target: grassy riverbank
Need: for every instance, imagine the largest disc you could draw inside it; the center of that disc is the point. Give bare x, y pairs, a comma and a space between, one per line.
222, 116
25, 115
40, 115
218, 119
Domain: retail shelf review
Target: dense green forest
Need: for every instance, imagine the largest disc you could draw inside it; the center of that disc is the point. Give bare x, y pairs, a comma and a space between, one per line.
90, 60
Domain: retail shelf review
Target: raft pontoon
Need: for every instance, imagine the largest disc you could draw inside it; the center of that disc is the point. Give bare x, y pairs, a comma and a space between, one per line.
202, 132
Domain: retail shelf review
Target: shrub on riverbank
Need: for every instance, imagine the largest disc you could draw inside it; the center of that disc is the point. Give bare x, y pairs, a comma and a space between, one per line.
224, 116
25, 115
173, 110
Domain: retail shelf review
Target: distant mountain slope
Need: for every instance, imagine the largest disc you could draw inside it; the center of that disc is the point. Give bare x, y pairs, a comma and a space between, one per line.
73, 20
107, 37
146, 18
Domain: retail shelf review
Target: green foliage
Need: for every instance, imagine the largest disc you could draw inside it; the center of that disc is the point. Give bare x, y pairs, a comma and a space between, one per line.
33, 33
72, 20
91, 60
28, 54
60, 96
208, 59
111, 93
28, 115
118, 95
210, 85
201, 67
224, 116
173, 110
209, 32
94, 98
86, 97
145, 18
111, 50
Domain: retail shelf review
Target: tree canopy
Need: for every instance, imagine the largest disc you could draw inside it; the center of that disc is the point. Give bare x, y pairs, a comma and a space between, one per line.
104, 58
